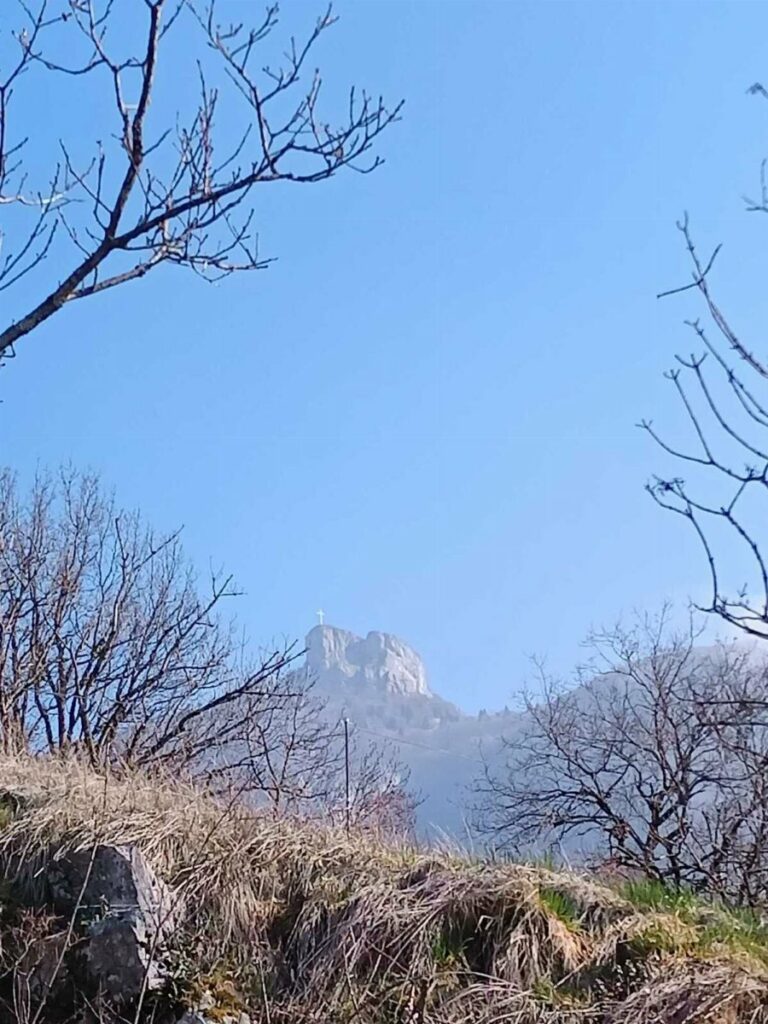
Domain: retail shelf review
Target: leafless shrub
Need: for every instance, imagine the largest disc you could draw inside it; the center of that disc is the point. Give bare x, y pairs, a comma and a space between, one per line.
297, 760
380, 800
109, 648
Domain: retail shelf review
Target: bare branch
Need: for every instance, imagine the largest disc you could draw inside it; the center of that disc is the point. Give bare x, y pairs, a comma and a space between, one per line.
184, 196
731, 449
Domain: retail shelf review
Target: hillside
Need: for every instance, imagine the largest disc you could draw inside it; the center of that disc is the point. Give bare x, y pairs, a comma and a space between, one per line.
269, 920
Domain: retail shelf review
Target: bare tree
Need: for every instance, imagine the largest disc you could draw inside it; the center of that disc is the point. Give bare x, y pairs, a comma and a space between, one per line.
290, 754
380, 799
722, 388
107, 646
292, 757
153, 190
110, 649
632, 767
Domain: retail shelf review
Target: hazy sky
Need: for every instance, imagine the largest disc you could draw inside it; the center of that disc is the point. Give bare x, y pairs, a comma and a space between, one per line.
421, 417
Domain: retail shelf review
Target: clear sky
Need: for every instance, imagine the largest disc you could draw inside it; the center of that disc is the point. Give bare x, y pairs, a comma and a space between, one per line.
422, 416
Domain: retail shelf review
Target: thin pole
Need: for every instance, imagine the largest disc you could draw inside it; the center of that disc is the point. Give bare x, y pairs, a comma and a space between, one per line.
346, 774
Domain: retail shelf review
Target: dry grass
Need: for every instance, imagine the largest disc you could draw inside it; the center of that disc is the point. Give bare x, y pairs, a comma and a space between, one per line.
295, 923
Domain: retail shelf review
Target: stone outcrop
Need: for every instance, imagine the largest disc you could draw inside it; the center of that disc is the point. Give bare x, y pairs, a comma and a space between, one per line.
125, 912
123, 921
379, 660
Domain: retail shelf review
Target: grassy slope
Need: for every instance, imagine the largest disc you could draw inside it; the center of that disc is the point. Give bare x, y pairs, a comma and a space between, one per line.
297, 924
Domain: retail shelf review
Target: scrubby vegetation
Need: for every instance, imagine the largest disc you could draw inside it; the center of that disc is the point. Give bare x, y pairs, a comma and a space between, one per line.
654, 758
112, 646
287, 921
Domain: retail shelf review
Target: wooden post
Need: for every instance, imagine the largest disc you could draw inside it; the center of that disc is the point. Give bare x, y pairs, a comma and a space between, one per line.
347, 808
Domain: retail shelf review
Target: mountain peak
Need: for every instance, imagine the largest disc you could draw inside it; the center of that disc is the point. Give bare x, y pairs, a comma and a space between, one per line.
380, 660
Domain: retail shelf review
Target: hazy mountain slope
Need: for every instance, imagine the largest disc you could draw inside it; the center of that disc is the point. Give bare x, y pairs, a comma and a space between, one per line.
380, 683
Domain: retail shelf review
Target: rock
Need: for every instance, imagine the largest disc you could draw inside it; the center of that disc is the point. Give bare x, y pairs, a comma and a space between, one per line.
42, 973
127, 912
116, 881
119, 958
379, 659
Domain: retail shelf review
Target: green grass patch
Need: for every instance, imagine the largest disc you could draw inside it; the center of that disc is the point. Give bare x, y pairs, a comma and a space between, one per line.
661, 938
737, 930
560, 905
9, 806
650, 894
448, 948
717, 926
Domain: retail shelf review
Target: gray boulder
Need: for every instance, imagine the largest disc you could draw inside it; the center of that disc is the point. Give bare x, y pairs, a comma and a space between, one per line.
127, 913
41, 974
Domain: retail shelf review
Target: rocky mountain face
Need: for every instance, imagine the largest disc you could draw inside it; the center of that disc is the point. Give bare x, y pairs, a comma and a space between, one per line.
380, 684
379, 660
377, 681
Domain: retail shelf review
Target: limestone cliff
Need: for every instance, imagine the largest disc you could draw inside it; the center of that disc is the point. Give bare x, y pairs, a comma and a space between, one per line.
380, 660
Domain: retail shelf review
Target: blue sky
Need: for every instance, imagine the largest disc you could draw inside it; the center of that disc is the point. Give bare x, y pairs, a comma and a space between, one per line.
422, 416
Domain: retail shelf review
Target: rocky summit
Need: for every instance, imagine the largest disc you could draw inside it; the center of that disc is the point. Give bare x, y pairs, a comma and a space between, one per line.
379, 660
